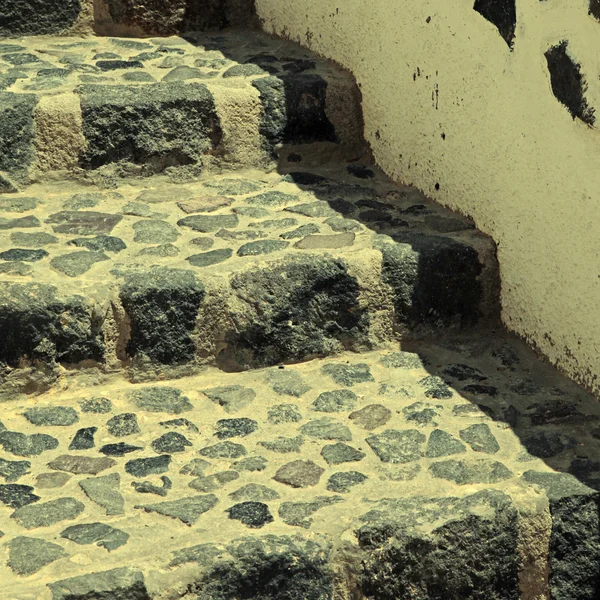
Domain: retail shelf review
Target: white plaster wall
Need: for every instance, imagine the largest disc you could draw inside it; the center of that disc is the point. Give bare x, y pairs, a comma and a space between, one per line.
513, 158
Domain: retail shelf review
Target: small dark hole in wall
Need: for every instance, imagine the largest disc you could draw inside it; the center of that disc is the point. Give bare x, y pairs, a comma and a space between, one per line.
568, 84
437, 186
595, 9
501, 13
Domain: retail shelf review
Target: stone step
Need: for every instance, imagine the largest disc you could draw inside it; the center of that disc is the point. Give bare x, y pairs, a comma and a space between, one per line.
457, 469
244, 271
107, 107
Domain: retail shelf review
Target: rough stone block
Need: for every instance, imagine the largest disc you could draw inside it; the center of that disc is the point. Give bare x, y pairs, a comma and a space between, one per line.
17, 130
37, 17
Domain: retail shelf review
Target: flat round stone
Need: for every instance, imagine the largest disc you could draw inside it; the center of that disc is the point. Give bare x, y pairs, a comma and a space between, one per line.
51, 415
335, 401
213, 257
371, 416
299, 474
155, 232
262, 247
24, 255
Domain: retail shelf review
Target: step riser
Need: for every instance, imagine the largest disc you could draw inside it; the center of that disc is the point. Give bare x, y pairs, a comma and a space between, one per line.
145, 129
170, 322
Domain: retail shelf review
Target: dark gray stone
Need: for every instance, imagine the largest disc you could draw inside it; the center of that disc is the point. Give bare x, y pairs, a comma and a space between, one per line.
51, 480
253, 212
546, 444
104, 491
161, 399
13, 470
224, 450
262, 247
312, 209
19, 222
155, 232
79, 465
436, 387
480, 438
228, 428
254, 492
209, 223
187, 510
100, 534
252, 514
162, 305
195, 467
214, 257
76, 222
271, 199
203, 243
120, 449
247, 70
343, 482
232, 397
343, 225
402, 360
435, 280
284, 413
22, 254
27, 556
46, 514
164, 250
77, 263
274, 224
326, 429
466, 472
146, 487
181, 422
300, 232
213, 482
19, 205
371, 416
142, 467
284, 445
162, 124
32, 240
98, 406
336, 454
18, 130
14, 495
441, 443
308, 305
298, 514
115, 65
51, 415
36, 17
100, 243
252, 464
21, 444
170, 442
123, 425
16, 268
335, 401
287, 382
348, 374
299, 474
117, 584
394, 446
422, 413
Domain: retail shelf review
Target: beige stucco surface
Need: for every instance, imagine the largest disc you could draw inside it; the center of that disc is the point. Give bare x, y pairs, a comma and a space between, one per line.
446, 102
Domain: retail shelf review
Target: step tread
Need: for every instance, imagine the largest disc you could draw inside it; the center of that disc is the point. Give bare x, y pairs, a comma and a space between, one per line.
464, 433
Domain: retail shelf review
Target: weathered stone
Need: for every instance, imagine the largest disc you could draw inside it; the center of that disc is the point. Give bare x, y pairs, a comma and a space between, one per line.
24, 255
232, 398
162, 305
120, 449
79, 465
204, 204
16, 268
214, 257
115, 65
394, 446
48, 513
27, 556
155, 232
335, 401
195, 467
300, 232
252, 514
18, 130
168, 123
348, 374
247, 70
262, 247
441, 443
51, 415
213, 482
104, 491
436, 387
83, 222
14, 495
284, 413
187, 510
252, 464
274, 224
421, 413
181, 422
480, 438
253, 212
546, 444
13, 470
25, 18
209, 223
84, 439
233, 187
203, 554
326, 429
123, 425
170, 442
312, 209
402, 360
32, 240
161, 399
322, 242
183, 73
271, 199
22, 444
225, 234
298, 514
336, 454
465, 472
75, 264
142, 467
228, 428
116, 584
100, 534
19, 223
284, 445
224, 450
343, 225
203, 243
299, 474
254, 492
51, 480
95, 405
371, 416
343, 482
287, 382
100, 243
174, 193
146, 487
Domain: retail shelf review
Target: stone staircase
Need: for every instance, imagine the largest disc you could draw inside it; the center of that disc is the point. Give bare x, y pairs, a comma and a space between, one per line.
238, 361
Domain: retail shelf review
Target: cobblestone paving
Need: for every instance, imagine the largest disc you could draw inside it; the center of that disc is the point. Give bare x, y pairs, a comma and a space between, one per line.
93, 474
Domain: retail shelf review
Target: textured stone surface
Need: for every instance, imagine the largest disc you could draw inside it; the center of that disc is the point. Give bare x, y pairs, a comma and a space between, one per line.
187, 510
27, 555
17, 134
51, 415
44, 514
79, 465
299, 473
38, 17
117, 584
161, 399
96, 533
394, 446
104, 491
